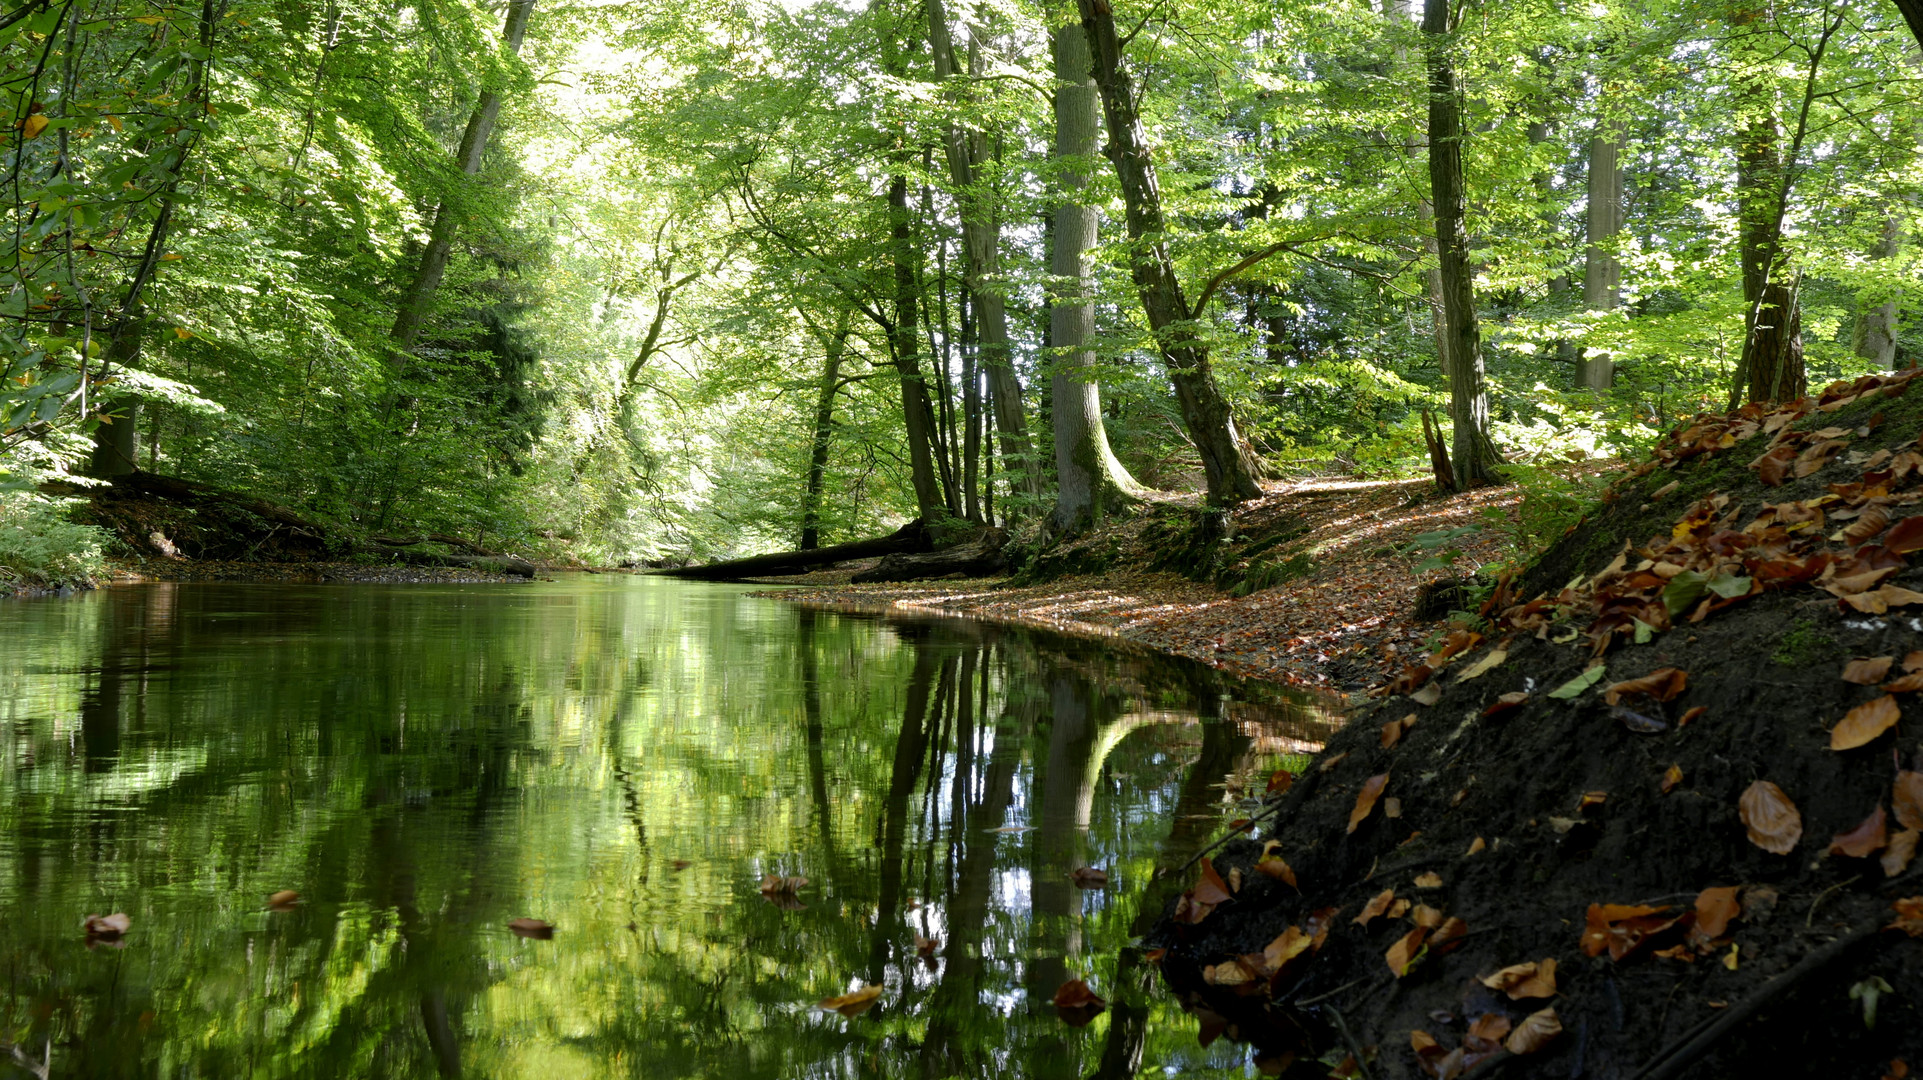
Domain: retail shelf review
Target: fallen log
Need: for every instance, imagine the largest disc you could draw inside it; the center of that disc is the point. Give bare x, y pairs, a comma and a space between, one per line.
980, 557
912, 537
500, 564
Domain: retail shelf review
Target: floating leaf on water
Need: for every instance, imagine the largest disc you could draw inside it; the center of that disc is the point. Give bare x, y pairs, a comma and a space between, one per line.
108, 926
679, 864
1280, 781
1536, 1031
852, 1003
284, 900
1365, 799
1574, 688
1865, 722
1088, 877
1867, 670
1866, 839
539, 929
1774, 823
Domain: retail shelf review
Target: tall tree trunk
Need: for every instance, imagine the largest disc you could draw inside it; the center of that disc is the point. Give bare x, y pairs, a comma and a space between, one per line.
419, 299
981, 248
1227, 462
1399, 13
1090, 481
918, 418
1602, 271
1475, 457
1875, 334
834, 347
971, 419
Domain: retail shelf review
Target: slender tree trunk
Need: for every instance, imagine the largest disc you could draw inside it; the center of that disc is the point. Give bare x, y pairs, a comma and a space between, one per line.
1602, 270
419, 299
971, 419
1090, 482
833, 348
1475, 458
981, 246
1227, 462
1875, 335
918, 418
1399, 14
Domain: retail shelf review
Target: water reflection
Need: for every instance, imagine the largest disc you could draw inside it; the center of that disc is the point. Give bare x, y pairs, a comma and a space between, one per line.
626, 759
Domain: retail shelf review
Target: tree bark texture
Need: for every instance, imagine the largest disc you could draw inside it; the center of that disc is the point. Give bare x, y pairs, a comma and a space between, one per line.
981, 247
419, 299
1771, 366
918, 418
1090, 482
1474, 457
834, 347
1398, 13
1602, 271
1227, 463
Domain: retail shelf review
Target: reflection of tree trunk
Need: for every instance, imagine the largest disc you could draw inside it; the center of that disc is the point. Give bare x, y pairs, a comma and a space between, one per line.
910, 747
1061, 829
440, 1033
1225, 751
811, 711
967, 917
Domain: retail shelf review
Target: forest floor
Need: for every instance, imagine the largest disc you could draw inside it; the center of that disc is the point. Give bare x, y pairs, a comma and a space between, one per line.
1339, 615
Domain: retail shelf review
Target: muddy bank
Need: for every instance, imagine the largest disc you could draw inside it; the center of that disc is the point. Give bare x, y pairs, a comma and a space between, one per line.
1706, 860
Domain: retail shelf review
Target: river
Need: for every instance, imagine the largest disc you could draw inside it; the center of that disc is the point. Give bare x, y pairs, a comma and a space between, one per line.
627, 759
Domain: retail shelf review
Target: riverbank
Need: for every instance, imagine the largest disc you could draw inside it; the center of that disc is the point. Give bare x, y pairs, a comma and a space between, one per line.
1350, 557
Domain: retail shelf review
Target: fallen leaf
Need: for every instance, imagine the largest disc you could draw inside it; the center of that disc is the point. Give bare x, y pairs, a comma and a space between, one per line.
854, 1002
1694, 713
1671, 777
1867, 671
1290, 944
1592, 798
1506, 702
1426, 917
1575, 687
1318, 925
1599, 929
1906, 536
1331, 761
1663, 685
1864, 840
1773, 821
1872, 522
781, 891
1908, 684
1406, 951
284, 900
1365, 799
1392, 731
1398, 909
680, 864
1428, 695
1280, 781
1483, 666
1908, 800
1536, 1031
108, 926
1430, 880
538, 929
1476, 845
1448, 935
1088, 877
1715, 907
1392, 808
1375, 907
1211, 889
1273, 865
1896, 857
1865, 722
1490, 1027
1227, 973
1075, 994
1534, 979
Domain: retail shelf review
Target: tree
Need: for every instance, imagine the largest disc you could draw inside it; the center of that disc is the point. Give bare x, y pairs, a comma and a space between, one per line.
1090, 482
1228, 464
1474, 457
1602, 270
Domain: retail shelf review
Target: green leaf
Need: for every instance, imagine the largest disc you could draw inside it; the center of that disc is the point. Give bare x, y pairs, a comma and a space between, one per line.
1683, 591
1644, 632
1574, 688
1729, 586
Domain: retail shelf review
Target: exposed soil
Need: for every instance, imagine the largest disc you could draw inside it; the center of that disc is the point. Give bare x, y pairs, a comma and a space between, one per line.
1516, 815
1316, 586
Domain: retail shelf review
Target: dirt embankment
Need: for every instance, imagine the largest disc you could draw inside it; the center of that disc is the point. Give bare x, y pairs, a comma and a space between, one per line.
1675, 769
1316, 586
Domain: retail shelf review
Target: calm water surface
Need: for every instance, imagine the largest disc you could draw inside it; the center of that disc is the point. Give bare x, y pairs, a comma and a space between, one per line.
625, 758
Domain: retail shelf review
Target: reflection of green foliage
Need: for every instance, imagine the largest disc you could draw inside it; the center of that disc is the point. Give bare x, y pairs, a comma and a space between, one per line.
423, 765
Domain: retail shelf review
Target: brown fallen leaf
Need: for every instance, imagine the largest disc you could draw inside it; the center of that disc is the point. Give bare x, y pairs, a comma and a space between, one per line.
1211, 889
1908, 684
1075, 994
1872, 522
108, 927
1865, 722
1088, 877
1906, 536
1663, 685
1506, 702
1404, 953
1280, 781
1592, 799
1534, 979
1715, 907
1867, 671
1375, 907
1227, 973
1430, 880
1288, 945
1273, 865
1536, 1031
1695, 712
1428, 695
1392, 808
1913, 661
1774, 823
1909, 910
1902, 849
1331, 761
1483, 666
1671, 777
1908, 799
1864, 840
1365, 799
1426, 917
781, 891
1398, 909
1618, 928
538, 929
852, 1003
1477, 845
1449, 935
1392, 731
284, 900
1487, 1033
